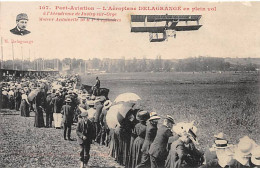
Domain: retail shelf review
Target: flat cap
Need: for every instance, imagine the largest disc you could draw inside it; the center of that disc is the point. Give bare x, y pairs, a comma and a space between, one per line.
22, 16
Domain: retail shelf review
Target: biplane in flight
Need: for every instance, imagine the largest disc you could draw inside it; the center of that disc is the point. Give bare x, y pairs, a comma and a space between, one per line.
160, 27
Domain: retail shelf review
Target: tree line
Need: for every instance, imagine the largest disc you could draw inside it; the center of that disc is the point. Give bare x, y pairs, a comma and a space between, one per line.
198, 64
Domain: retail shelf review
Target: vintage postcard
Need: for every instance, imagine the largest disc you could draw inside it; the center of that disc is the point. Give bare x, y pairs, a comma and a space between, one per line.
130, 84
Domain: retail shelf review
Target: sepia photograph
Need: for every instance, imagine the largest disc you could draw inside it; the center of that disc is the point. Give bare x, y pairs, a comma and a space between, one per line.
129, 84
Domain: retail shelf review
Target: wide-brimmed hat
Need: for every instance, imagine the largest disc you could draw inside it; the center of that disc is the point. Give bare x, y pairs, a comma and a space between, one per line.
245, 146
255, 158
169, 118
154, 118
142, 116
84, 114
107, 104
68, 100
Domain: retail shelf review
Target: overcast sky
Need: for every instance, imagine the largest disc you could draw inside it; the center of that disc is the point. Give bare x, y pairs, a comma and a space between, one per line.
230, 31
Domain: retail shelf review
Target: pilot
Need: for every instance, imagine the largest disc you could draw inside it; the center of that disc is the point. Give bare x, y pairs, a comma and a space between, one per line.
21, 23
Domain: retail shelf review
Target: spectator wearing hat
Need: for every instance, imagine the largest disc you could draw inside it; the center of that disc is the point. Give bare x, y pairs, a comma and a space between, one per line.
85, 135
104, 128
210, 156
183, 153
21, 24
151, 131
219, 155
139, 130
39, 106
242, 153
158, 151
56, 108
67, 113
49, 110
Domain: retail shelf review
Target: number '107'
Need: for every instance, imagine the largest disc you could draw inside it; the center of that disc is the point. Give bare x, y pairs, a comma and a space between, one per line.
44, 7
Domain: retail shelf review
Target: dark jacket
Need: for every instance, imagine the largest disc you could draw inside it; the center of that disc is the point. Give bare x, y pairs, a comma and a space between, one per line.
67, 113
85, 129
19, 32
151, 131
48, 106
57, 104
158, 147
97, 85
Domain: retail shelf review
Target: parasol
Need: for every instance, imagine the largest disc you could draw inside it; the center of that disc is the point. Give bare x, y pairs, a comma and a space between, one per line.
127, 97
111, 117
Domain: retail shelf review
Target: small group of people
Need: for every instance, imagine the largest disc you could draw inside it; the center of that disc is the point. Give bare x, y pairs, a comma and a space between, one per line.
143, 145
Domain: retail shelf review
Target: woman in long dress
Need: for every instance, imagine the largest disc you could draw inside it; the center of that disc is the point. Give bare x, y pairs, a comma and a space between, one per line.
24, 105
125, 130
140, 130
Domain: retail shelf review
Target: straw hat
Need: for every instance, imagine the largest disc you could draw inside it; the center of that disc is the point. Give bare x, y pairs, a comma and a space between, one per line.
154, 118
153, 114
221, 144
245, 146
255, 159
169, 118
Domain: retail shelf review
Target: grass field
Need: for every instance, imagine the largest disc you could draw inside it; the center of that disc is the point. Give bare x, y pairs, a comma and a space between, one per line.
218, 102
24, 146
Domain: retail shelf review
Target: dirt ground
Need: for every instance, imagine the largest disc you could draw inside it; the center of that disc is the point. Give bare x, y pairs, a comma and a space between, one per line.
24, 146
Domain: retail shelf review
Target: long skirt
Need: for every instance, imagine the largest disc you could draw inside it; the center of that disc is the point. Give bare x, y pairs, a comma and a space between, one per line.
124, 148
113, 145
25, 109
39, 121
136, 151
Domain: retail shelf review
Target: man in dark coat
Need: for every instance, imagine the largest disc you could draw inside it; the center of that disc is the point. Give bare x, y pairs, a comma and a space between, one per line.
48, 110
85, 135
151, 131
21, 24
39, 106
158, 151
18, 99
67, 113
